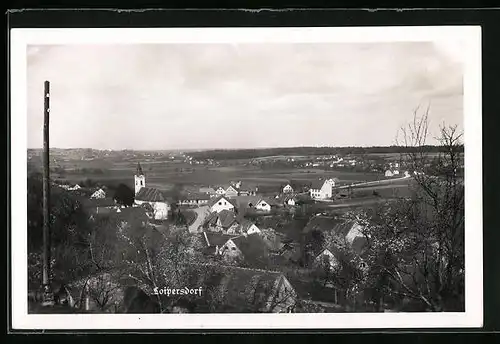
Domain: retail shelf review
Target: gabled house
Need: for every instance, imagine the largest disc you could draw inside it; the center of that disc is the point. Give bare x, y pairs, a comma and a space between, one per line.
231, 192
99, 206
250, 250
325, 258
246, 192
226, 222
265, 205
220, 191
100, 193
73, 188
213, 242
351, 231
194, 199
220, 203
322, 189
287, 189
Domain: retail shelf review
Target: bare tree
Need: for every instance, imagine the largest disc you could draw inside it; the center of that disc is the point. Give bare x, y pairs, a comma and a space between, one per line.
416, 245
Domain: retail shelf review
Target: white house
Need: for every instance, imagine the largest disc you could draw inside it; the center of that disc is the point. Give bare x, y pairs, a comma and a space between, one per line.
76, 187
407, 174
220, 203
220, 191
322, 189
231, 192
263, 205
98, 194
395, 172
287, 189
325, 256
389, 173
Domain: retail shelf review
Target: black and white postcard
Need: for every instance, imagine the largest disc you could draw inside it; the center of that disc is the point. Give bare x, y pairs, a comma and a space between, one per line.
246, 178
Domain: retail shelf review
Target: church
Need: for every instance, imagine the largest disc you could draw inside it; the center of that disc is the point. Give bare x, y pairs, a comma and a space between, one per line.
152, 196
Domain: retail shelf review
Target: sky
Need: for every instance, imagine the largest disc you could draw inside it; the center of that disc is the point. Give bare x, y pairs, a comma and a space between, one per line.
205, 96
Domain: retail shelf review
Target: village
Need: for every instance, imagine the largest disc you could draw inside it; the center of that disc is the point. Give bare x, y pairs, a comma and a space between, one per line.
252, 232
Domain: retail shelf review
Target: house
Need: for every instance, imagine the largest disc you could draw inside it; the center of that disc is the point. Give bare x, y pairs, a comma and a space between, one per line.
73, 188
247, 290
246, 192
289, 200
100, 193
322, 189
236, 185
325, 258
226, 222
264, 205
250, 250
208, 190
389, 173
220, 203
349, 230
194, 199
287, 189
407, 174
134, 215
231, 192
220, 191
213, 242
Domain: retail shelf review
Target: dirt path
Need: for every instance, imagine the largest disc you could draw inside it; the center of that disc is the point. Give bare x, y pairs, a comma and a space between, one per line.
201, 214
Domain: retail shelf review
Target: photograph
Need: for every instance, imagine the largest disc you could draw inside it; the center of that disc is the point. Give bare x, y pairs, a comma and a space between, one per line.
246, 177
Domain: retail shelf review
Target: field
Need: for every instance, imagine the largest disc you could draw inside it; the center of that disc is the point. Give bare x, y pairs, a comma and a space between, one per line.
165, 174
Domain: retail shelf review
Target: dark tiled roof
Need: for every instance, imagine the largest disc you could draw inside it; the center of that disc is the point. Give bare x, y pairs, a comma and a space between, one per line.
150, 195
215, 239
317, 184
195, 196
244, 289
328, 223
253, 248
359, 244
208, 190
226, 218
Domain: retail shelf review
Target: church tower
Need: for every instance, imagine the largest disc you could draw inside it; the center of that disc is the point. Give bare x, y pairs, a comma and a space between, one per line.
140, 179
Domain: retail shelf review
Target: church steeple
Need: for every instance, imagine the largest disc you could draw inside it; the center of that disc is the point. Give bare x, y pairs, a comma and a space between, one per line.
139, 178
139, 170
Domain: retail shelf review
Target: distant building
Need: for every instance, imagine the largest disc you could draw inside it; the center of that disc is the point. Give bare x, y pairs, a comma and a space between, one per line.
322, 189
250, 249
389, 173
264, 205
220, 191
76, 187
208, 190
231, 192
99, 194
287, 189
194, 199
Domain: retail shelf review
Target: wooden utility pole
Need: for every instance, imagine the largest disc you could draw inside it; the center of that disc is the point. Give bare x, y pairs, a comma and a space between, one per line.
48, 296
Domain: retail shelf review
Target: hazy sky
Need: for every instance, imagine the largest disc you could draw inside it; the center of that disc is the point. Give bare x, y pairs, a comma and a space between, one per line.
190, 96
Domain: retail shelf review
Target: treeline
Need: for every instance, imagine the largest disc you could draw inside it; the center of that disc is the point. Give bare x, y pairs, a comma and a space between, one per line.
223, 154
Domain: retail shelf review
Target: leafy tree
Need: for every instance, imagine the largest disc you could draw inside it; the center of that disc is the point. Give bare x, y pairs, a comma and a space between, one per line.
124, 195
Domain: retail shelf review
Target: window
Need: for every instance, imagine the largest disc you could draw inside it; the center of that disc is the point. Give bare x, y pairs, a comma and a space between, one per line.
141, 183
220, 203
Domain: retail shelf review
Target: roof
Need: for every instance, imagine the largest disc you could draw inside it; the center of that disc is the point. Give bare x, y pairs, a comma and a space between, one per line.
214, 201
226, 218
317, 184
244, 289
244, 201
328, 223
207, 190
269, 201
253, 248
150, 195
245, 225
212, 239
138, 171
195, 196
136, 212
